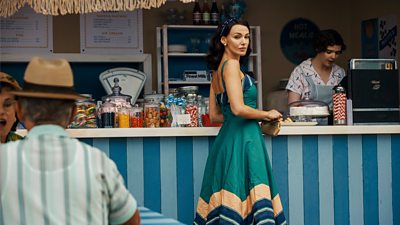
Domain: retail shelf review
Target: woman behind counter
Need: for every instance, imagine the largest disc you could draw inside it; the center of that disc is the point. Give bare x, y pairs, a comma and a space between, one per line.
315, 77
238, 185
8, 119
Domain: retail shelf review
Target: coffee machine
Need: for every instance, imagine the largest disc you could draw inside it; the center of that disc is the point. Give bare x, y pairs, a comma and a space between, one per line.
373, 91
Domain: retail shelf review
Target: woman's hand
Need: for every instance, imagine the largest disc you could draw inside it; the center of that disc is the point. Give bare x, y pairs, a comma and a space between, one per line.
273, 115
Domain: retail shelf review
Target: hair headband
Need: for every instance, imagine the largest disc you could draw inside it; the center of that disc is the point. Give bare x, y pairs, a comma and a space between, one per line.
227, 23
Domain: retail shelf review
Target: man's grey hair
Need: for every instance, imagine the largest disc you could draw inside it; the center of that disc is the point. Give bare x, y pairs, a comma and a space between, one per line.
46, 111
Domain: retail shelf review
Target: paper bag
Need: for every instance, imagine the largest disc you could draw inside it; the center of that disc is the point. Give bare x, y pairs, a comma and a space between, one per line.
271, 128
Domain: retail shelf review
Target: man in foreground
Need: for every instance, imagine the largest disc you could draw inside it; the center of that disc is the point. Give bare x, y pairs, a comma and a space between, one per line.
49, 177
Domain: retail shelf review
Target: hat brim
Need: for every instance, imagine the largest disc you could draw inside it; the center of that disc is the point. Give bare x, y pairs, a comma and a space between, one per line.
48, 95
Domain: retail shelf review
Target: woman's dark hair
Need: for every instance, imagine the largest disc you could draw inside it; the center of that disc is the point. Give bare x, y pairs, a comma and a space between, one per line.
216, 48
326, 38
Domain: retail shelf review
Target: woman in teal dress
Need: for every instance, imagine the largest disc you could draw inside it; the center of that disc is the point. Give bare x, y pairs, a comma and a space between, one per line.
238, 185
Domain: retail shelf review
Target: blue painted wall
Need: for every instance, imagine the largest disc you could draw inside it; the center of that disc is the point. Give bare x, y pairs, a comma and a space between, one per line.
327, 179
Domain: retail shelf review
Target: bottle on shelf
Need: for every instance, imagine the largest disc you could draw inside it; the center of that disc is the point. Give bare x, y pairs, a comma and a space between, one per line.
222, 15
206, 13
197, 13
235, 9
214, 13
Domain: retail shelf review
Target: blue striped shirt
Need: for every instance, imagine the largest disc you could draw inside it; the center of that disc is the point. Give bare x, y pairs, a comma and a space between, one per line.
50, 178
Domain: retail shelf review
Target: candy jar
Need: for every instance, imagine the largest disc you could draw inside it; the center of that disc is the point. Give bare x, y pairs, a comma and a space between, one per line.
175, 106
124, 115
108, 111
137, 116
164, 116
151, 113
98, 114
122, 105
85, 113
192, 109
202, 110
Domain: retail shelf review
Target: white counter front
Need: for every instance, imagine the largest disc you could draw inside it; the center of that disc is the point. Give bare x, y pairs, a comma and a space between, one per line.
213, 131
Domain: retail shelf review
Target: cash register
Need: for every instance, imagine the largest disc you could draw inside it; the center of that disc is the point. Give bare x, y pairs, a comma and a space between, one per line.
373, 91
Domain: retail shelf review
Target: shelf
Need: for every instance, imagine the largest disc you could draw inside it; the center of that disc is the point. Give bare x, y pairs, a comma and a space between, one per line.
173, 63
183, 54
189, 82
206, 27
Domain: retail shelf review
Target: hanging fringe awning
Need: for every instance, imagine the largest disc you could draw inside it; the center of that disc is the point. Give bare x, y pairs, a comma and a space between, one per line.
63, 7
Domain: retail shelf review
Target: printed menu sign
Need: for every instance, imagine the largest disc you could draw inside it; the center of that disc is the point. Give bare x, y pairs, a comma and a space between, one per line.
112, 32
26, 31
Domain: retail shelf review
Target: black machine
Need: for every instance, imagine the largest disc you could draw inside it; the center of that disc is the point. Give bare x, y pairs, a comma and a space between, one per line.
373, 87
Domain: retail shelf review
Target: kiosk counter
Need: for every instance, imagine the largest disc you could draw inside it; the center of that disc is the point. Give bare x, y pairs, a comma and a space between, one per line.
325, 174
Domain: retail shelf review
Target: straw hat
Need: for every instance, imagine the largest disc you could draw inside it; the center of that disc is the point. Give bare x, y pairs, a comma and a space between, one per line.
8, 80
48, 78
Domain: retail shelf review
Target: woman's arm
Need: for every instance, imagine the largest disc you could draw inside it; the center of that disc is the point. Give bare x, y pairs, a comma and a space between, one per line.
216, 115
293, 97
232, 76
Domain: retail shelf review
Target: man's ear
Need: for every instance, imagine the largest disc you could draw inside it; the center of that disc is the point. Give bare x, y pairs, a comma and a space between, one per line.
72, 115
18, 110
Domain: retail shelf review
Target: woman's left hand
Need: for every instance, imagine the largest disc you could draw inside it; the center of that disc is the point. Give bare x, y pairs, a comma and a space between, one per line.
273, 115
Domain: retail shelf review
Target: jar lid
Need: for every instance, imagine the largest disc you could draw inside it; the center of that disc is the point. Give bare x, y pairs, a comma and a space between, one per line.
154, 97
189, 89
108, 106
116, 94
137, 108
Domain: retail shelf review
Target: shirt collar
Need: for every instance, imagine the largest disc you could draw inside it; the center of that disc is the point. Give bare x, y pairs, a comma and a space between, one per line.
47, 130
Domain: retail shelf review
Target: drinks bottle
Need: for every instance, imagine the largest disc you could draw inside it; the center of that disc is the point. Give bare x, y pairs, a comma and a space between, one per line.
214, 13
206, 13
196, 13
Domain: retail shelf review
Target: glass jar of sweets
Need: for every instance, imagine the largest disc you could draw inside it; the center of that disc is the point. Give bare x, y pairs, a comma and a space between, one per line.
108, 111
85, 113
137, 116
151, 113
124, 115
192, 109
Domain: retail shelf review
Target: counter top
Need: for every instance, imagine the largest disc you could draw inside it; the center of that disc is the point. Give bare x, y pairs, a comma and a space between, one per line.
213, 131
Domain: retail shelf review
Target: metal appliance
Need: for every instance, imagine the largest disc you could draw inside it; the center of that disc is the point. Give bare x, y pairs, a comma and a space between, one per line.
373, 88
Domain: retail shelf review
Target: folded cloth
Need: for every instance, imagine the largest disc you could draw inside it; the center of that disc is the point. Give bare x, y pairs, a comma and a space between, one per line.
271, 128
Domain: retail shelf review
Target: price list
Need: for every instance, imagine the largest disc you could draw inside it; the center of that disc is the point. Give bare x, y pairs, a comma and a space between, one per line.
26, 30
113, 31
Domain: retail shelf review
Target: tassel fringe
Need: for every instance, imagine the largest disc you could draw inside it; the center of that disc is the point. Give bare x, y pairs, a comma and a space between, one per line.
63, 7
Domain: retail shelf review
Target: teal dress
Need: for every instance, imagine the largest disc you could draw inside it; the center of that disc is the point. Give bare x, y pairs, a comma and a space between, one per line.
238, 185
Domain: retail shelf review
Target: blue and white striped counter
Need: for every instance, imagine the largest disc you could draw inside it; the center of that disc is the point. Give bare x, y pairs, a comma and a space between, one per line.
148, 217
328, 175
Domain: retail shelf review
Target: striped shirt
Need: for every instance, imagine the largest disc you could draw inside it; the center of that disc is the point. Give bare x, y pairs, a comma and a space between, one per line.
49, 178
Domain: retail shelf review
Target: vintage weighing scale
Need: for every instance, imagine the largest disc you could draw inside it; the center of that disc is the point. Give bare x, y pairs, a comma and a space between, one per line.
130, 80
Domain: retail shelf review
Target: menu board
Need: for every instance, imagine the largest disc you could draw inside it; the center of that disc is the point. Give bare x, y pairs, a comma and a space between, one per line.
112, 32
26, 31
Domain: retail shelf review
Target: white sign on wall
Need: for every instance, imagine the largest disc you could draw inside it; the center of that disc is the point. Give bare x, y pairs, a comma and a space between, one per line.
112, 32
378, 37
26, 32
